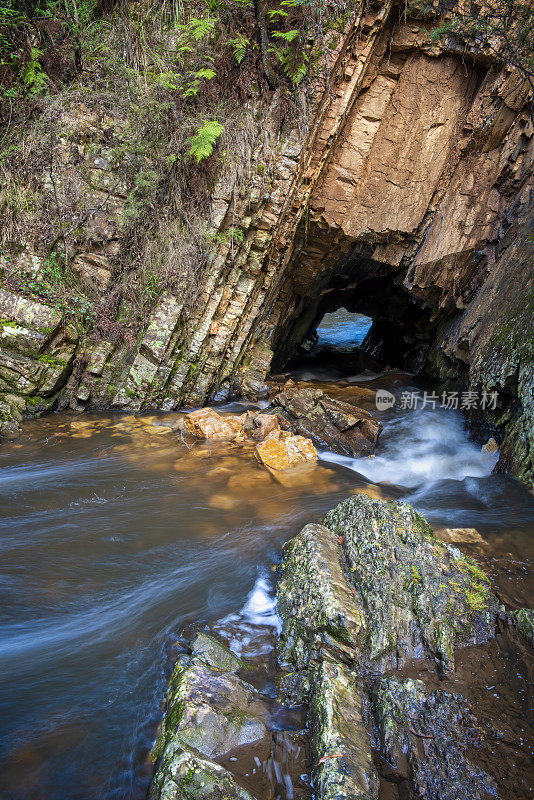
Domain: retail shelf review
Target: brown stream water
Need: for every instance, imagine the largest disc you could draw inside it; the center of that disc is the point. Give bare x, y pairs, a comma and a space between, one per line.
116, 537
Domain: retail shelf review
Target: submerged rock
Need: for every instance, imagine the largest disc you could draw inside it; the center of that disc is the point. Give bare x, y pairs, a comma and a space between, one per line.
460, 536
210, 710
342, 427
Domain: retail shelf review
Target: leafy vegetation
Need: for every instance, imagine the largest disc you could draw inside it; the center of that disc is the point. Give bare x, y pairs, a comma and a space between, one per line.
204, 141
163, 85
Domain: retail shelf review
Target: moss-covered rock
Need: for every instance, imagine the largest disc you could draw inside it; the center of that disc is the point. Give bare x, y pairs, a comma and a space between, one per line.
421, 596
524, 622
341, 745
210, 710
315, 597
375, 579
186, 776
208, 650
365, 592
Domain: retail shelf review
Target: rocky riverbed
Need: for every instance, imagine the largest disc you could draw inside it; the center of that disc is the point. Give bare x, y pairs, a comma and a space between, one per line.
364, 596
125, 537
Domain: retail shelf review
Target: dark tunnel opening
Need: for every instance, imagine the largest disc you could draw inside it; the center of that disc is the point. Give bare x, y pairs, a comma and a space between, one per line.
374, 323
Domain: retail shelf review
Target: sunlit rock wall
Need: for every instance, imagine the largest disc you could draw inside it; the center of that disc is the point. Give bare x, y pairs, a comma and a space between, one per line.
414, 163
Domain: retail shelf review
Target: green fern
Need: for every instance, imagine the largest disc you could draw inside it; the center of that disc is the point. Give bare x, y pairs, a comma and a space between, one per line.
206, 73
296, 70
204, 141
287, 36
199, 28
34, 76
239, 47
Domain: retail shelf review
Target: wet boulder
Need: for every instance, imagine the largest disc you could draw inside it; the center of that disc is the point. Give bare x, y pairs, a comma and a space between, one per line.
281, 451
210, 710
259, 426
341, 427
523, 619
208, 424
341, 746
10, 418
374, 578
423, 738
315, 598
186, 776
366, 592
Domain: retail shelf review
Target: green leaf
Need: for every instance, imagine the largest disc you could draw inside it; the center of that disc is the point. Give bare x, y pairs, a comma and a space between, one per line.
205, 73
239, 46
287, 36
199, 28
204, 141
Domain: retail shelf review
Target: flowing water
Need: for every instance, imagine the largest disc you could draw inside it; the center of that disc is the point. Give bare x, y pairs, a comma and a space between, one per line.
116, 537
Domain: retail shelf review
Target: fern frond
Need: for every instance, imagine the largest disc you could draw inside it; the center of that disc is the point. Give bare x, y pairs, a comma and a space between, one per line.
287, 36
204, 141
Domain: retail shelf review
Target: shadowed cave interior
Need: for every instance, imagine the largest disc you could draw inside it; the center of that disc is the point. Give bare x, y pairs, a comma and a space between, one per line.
399, 330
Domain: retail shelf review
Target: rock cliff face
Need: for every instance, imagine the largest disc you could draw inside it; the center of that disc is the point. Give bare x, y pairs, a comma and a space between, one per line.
408, 197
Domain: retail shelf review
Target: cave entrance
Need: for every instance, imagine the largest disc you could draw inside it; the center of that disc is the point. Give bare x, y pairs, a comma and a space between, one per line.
349, 326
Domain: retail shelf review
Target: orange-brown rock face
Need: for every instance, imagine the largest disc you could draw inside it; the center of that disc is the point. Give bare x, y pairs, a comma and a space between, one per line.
398, 140
285, 452
208, 424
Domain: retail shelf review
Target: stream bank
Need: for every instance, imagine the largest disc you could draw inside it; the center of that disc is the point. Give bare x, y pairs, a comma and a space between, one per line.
118, 536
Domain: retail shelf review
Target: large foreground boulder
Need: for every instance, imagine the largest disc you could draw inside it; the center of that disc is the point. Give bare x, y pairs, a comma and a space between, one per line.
374, 577
366, 592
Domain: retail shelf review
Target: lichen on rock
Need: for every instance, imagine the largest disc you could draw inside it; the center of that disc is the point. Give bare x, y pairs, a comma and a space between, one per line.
210, 710
524, 621
423, 738
376, 577
368, 591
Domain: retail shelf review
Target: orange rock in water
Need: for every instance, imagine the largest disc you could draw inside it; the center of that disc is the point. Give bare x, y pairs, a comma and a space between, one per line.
207, 424
285, 452
259, 426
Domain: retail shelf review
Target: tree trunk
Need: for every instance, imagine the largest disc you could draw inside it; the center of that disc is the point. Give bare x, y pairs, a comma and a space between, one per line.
259, 11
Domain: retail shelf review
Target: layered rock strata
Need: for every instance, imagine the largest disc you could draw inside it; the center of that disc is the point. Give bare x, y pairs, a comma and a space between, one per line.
407, 196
